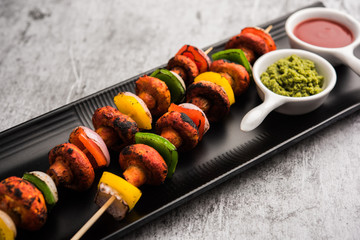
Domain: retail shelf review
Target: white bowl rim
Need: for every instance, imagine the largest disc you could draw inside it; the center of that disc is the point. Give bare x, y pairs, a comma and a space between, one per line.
273, 56
352, 24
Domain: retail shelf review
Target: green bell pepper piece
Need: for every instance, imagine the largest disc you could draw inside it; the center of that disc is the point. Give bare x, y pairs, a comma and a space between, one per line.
43, 187
164, 147
177, 90
234, 55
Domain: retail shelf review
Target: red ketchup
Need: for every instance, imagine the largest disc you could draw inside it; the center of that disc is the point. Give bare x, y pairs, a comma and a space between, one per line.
323, 33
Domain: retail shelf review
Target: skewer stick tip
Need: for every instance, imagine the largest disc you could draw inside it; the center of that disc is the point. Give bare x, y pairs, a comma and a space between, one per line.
93, 219
208, 50
268, 29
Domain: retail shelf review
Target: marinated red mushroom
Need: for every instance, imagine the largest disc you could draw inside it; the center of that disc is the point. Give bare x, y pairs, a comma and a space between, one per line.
209, 97
184, 67
116, 129
252, 45
263, 34
253, 41
142, 164
23, 202
154, 93
236, 74
69, 167
179, 129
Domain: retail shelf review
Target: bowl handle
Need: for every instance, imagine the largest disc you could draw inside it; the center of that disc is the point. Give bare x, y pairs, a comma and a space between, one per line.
347, 57
257, 115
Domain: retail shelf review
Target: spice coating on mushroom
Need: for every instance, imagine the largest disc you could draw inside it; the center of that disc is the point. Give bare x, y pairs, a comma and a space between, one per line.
236, 74
117, 129
184, 67
210, 98
179, 129
69, 167
23, 202
248, 41
154, 93
142, 164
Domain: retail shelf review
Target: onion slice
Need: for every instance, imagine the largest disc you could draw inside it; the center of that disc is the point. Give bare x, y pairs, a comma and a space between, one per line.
99, 141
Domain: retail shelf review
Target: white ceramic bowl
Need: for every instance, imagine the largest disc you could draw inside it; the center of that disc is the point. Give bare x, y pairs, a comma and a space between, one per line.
284, 104
335, 56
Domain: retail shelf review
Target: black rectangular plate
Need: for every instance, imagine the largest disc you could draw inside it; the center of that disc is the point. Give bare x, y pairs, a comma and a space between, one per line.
224, 152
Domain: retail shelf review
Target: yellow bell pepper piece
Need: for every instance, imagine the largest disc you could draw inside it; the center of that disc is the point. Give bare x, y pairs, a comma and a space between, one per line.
219, 80
133, 106
127, 191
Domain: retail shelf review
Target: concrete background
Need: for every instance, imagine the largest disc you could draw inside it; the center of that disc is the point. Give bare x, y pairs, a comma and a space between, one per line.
55, 52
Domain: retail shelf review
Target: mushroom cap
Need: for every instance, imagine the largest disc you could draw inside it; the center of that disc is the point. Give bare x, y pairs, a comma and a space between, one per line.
75, 161
183, 125
248, 41
216, 95
261, 33
159, 92
124, 125
23, 202
147, 159
240, 77
185, 63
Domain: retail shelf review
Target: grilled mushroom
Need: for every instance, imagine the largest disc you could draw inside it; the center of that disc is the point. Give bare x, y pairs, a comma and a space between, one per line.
116, 129
154, 93
23, 202
69, 167
184, 67
253, 45
142, 164
263, 34
236, 74
209, 97
179, 129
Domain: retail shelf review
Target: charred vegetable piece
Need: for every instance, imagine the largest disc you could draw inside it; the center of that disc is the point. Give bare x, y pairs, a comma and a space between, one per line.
185, 67
142, 164
69, 167
155, 93
7, 227
200, 58
45, 184
115, 128
196, 115
166, 149
248, 41
236, 74
92, 145
261, 33
126, 195
179, 129
209, 97
219, 80
234, 55
133, 106
23, 202
127, 191
174, 82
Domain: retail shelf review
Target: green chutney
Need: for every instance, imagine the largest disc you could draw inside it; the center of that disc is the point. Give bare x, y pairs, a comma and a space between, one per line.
293, 77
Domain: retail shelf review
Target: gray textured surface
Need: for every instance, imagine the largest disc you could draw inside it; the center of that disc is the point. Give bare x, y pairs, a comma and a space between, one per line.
55, 52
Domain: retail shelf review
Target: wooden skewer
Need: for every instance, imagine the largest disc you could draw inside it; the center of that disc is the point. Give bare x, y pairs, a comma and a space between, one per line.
268, 29
93, 219
209, 50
